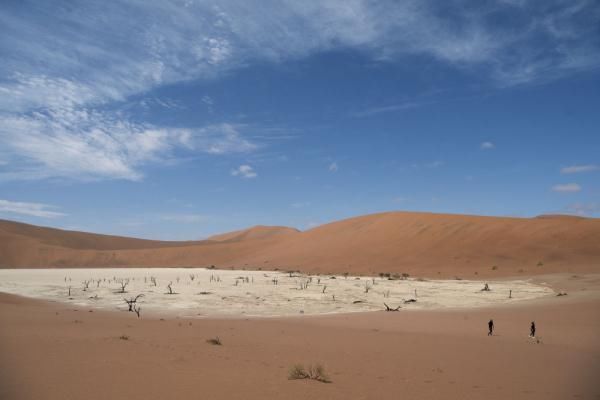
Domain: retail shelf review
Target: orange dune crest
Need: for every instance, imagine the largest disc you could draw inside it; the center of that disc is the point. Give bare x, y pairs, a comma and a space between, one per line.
422, 244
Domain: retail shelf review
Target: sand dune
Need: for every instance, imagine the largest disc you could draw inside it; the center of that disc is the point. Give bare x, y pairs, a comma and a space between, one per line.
256, 232
425, 244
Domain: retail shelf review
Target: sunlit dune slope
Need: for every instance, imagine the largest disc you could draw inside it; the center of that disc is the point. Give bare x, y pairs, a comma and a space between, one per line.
417, 243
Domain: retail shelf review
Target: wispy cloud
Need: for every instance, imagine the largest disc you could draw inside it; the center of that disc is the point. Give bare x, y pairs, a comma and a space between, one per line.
487, 146
30, 209
87, 144
333, 167
567, 188
244, 171
72, 108
574, 169
407, 105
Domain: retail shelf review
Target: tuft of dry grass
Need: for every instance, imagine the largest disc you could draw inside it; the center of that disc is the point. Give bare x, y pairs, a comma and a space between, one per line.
316, 373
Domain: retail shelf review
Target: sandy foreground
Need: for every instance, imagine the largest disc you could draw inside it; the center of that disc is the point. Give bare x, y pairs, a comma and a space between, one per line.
62, 351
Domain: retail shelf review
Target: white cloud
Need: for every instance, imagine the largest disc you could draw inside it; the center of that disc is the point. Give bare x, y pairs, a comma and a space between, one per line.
86, 144
333, 167
567, 188
487, 146
573, 169
244, 171
204, 39
88, 74
31, 209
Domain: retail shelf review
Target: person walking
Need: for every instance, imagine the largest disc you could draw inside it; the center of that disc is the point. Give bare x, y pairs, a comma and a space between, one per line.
490, 327
532, 329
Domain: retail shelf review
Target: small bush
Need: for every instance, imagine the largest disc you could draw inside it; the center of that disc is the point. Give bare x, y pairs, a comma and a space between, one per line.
214, 341
316, 373
495, 267
124, 337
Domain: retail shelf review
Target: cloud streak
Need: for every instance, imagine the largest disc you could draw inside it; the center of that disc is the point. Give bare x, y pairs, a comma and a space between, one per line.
67, 118
244, 171
29, 209
574, 169
567, 188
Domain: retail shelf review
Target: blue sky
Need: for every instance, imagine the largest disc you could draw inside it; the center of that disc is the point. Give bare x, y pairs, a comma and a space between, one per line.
180, 119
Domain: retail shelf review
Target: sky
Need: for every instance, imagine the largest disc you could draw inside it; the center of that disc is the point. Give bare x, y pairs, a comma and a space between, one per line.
176, 120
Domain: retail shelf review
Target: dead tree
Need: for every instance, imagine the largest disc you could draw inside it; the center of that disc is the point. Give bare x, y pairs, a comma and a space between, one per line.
153, 280
192, 277
324, 288
86, 285
486, 288
123, 284
388, 308
132, 302
367, 287
137, 310
69, 291
170, 288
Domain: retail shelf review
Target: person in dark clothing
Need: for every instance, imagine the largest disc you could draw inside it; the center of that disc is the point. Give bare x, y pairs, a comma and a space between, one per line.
491, 327
532, 329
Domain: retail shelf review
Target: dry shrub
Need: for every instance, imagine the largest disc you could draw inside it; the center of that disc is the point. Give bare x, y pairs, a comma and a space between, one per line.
314, 372
214, 341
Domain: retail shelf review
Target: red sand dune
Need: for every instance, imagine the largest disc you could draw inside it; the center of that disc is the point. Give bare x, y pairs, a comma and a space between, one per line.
417, 243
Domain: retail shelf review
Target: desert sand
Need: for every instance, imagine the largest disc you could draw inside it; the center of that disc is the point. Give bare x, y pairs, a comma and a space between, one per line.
88, 346
57, 351
396, 242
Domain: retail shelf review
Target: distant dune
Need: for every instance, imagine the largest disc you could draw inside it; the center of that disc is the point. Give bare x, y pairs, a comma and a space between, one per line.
421, 244
256, 232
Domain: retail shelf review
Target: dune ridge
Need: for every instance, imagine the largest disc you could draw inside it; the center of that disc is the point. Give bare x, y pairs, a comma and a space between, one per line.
423, 244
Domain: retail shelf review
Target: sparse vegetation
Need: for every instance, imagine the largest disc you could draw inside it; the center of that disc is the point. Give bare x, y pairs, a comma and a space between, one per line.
132, 302
124, 337
214, 341
123, 283
388, 308
316, 372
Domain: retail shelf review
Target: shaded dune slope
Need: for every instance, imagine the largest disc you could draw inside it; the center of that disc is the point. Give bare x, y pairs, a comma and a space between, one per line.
417, 243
